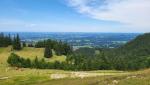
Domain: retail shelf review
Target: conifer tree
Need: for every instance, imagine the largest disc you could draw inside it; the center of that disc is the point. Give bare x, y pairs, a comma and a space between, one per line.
48, 52
24, 44
1, 40
16, 43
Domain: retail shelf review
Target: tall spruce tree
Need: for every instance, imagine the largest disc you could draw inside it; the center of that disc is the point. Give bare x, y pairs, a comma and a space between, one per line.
17, 43
48, 52
9, 39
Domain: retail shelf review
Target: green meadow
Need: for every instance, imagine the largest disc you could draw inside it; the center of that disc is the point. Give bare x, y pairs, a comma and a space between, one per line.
24, 76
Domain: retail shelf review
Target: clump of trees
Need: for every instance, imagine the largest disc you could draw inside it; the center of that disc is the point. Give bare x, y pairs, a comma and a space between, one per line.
5, 40
59, 47
17, 43
30, 45
73, 62
17, 61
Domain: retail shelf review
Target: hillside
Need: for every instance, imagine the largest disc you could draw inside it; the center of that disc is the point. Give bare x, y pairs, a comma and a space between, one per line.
134, 55
139, 46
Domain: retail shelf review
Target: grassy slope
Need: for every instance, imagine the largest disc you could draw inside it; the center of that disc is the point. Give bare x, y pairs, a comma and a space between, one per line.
134, 78
27, 53
14, 76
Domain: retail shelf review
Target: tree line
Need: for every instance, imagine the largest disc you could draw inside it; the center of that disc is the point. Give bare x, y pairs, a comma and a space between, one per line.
17, 61
6, 40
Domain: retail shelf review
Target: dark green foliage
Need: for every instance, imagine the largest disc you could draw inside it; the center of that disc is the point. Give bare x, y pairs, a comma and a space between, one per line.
40, 44
5, 40
85, 51
17, 43
17, 61
24, 44
131, 56
30, 45
36, 63
14, 60
28, 63
48, 52
60, 48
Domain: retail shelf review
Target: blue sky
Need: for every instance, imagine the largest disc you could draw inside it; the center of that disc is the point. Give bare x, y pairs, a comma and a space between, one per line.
74, 16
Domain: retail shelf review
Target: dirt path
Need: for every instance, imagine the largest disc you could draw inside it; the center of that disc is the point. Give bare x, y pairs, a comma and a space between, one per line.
3, 78
78, 75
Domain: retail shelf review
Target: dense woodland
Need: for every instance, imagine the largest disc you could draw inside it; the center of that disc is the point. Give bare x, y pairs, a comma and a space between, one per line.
134, 55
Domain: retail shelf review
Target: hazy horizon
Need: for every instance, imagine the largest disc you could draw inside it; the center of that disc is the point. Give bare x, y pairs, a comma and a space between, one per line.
68, 32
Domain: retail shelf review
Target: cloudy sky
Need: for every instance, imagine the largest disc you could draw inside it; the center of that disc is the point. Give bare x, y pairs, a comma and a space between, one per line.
74, 15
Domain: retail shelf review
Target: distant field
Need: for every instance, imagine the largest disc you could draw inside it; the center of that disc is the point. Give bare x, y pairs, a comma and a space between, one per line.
22, 76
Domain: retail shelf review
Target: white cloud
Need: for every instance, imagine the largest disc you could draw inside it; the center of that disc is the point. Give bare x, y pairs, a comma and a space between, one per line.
134, 13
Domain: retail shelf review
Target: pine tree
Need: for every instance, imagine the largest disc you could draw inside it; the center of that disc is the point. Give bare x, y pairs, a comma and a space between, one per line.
48, 52
9, 39
28, 62
14, 43
36, 62
24, 44
17, 43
